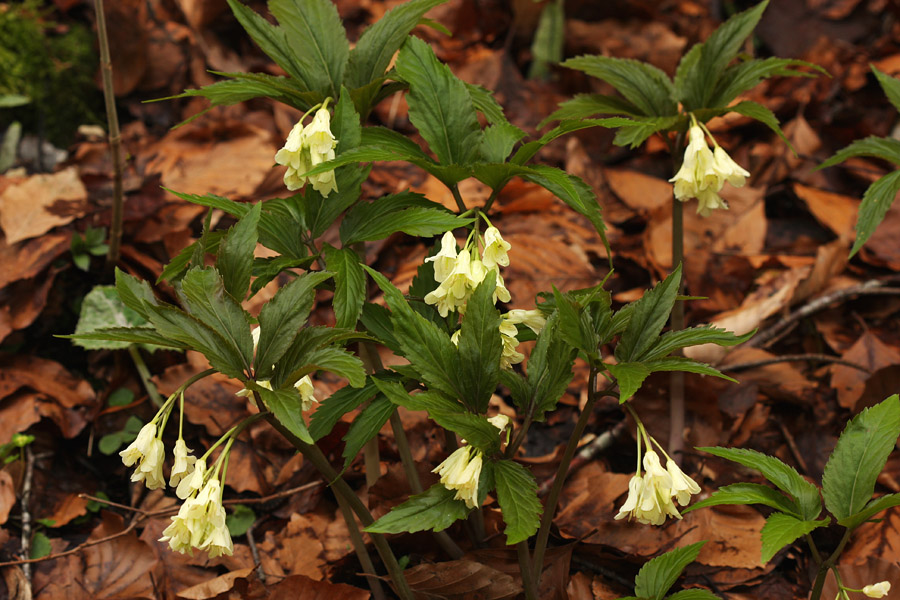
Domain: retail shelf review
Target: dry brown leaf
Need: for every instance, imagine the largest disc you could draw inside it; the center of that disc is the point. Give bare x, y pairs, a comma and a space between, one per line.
875, 538
835, 211
639, 191
40, 203
554, 576
830, 261
783, 379
460, 580
299, 587
858, 575
882, 248
215, 586
22, 302
868, 351
26, 260
295, 550
7, 495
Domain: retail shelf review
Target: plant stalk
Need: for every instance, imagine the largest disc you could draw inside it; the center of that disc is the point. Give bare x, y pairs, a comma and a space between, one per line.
526, 568
360, 547
115, 138
144, 373
676, 387
824, 566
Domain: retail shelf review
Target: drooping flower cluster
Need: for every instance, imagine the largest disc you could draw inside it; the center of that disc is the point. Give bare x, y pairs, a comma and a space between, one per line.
704, 172
149, 453
462, 469
650, 497
533, 319
307, 147
460, 273
200, 523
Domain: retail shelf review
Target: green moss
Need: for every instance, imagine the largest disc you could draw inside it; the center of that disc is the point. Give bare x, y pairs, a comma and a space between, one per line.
53, 66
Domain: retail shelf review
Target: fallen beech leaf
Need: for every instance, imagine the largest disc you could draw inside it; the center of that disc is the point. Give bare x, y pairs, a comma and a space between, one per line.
639, 191
40, 203
295, 550
214, 587
23, 301
460, 580
868, 351
27, 259
835, 211
7, 496
555, 571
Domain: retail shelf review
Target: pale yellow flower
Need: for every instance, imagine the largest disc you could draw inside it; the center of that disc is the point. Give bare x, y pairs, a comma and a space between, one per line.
184, 463
509, 356
140, 447
495, 248
532, 319
304, 149
460, 472
255, 333
727, 169
499, 421
696, 172
877, 590
149, 453
456, 288
307, 392
200, 523
635, 492
192, 482
445, 260
682, 485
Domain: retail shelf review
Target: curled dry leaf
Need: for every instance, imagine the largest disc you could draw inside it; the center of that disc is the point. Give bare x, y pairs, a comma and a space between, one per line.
7, 496
460, 580
870, 352
40, 203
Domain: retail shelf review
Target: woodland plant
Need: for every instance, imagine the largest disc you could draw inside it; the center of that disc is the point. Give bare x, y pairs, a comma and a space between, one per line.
455, 345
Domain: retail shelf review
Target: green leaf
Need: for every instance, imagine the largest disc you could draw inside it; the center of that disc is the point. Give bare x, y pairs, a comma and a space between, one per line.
781, 529
349, 284
630, 376
549, 368
701, 68
517, 495
440, 106
120, 397
316, 37
205, 299
528, 150
680, 363
103, 308
861, 453
133, 292
582, 106
285, 405
435, 509
110, 443
407, 212
270, 39
874, 507
40, 545
480, 347
746, 75
547, 45
336, 406
246, 86
332, 359
346, 125
783, 476
694, 336
282, 317
485, 103
239, 521
366, 426
884, 148
645, 86
890, 85
129, 335
693, 594
649, 315
876, 201
235, 257
377, 321
657, 575
377, 44
757, 111
320, 213
634, 131
498, 142
748, 493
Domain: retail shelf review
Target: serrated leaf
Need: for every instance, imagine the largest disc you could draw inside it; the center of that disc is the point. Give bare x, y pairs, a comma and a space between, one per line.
549, 369
480, 347
701, 68
680, 363
133, 292
781, 529
693, 594
270, 39
527, 151
282, 317
349, 284
876, 201
632, 132
746, 75
129, 335
657, 575
890, 85
319, 213
645, 86
440, 106
240, 520
485, 103
517, 496
748, 493
783, 476
582, 106
861, 453
694, 336
547, 45
630, 376
757, 111
235, 256
285, 404
435, 509
407, 212
377, 321
101, 308
498, 142
884, 148
334, 407
335, 360
366, 426
874, 507
246, 86
316, 38
648, 317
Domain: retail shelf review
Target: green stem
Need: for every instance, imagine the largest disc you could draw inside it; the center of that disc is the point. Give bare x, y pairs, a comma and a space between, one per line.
372, 362
494, 193
144, 373
527, 570
543, 535
827, 564
459, 201
359, 547
115, 138
312, 453
676, 388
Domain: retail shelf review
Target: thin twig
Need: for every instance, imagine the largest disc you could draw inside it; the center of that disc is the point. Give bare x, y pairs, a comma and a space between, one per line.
115, 138
793, 446
26, 514
76, 549
753, 364
254, 552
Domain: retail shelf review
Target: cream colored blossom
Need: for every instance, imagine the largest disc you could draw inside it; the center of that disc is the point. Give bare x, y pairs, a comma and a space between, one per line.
495, 248
304, 149
532, 319
461, 471
148, 452
307, 392
445, 260
727, 169
682, 485
255, 333
200, 523
456, 288
499, 421
635, 491
877, 590
509, 356
649, 498
184, 463
192, 482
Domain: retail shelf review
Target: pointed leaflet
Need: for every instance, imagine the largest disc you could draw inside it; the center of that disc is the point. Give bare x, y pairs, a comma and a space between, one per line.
860, 455
317, 39
582, 106
642, 84
102, 307
886, 148
680, 363
282, 317
286, 406
408, 212
480, 347
334, 407
876, 202
498, 142
245, 86
549, 368
269, 38
757, 111
128, 335
486, 104
134, 292
748, 493
657, 575
630, 376
872, 508
781, 530
694, 336
634, 131
205, 298
377, 45
366, 426
746, 75
693, 594
333, 359
783, 476
435, 509
649, 315
547, 46
349, 284
517, 496
428, 348
890, 85
702, 66
439, 104
235, 256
